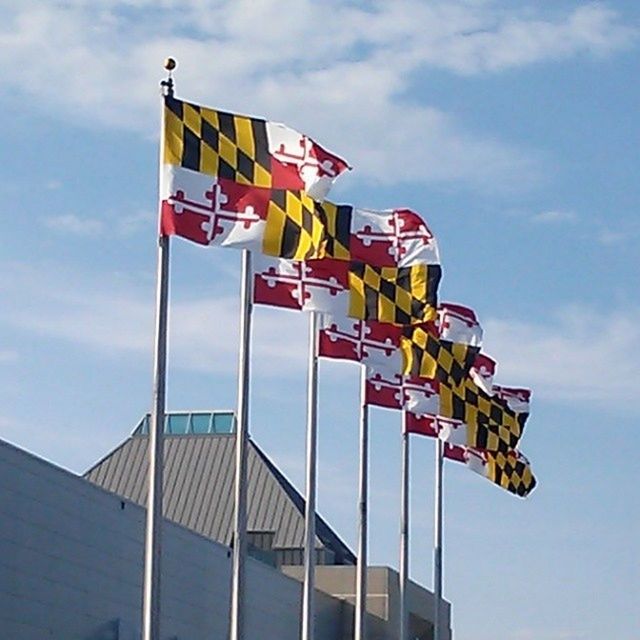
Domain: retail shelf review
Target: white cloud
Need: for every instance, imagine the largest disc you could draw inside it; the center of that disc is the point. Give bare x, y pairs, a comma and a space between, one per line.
610, 237
124, 225
554, 216
70, 223
338, 70
506, 39
580, 354
119, 319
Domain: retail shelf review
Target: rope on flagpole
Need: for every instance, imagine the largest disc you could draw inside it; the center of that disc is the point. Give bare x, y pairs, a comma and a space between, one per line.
153, 534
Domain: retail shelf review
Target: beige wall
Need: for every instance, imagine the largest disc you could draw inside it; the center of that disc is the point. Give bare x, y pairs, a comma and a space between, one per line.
383, 600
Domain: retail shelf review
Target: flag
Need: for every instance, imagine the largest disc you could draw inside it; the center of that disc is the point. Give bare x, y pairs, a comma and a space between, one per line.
224, 213
235, 181
378, 344
466, 415
365, 341
386, 238
419, 396
246, 150
492, 422
394, 262
510, 470
399, 295
313, 285
390, 258
445, 349
482, 372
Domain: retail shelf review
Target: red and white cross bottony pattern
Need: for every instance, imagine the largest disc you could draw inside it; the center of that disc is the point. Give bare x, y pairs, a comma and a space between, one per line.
369, 342
312, 285
393, 238
213, 211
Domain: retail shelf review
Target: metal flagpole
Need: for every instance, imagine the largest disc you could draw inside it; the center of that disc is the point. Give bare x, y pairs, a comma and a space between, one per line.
360, 632
242, 431
308, 594
437, 542
153, 535
404, 532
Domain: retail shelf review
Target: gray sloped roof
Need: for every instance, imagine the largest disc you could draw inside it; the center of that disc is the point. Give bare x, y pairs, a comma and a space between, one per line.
198, 489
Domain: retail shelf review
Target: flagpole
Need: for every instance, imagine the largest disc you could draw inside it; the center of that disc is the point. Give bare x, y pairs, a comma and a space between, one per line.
308, 594
437, 542
153, 534
404, 532
360, 632
242, 436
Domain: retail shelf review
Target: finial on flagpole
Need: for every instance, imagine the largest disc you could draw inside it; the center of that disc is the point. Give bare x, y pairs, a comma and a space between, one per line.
167, 85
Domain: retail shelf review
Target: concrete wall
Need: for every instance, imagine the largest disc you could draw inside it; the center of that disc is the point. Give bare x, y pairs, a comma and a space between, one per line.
383, 602
71, 557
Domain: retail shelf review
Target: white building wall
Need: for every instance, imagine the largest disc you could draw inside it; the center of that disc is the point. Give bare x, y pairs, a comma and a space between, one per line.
71, 557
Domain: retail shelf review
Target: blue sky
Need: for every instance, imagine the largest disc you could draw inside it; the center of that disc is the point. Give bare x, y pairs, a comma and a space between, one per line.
512, 127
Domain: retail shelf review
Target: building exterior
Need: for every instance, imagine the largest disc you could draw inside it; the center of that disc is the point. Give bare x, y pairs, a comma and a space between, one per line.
199, 479
71, 548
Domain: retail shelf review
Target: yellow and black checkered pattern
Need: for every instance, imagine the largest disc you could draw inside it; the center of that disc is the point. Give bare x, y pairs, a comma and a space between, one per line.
294, 229
491, 424
511, 472
426, 355
399, 295
337, 222
220, 144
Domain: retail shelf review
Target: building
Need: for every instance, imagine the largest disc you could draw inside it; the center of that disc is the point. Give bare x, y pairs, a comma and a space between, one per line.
71, 547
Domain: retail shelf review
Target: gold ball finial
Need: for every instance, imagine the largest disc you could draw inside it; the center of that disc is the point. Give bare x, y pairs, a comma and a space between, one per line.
170, 64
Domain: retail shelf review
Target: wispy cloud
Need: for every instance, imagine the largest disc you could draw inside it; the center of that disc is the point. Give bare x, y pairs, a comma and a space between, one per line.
84, 226
610, 236
347, 68
119, 319
554, 216
70, 223
578, 354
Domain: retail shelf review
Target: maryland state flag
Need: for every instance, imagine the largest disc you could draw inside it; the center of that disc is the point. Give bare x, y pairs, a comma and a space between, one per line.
242, 182
446, 349
391, 349
482, 421
483, 371
510, 470
403, 295
380, 266
247, 150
